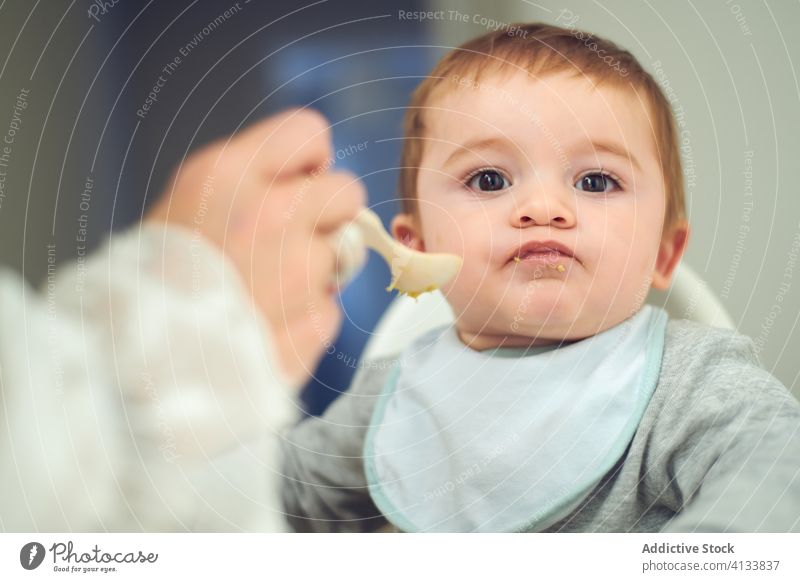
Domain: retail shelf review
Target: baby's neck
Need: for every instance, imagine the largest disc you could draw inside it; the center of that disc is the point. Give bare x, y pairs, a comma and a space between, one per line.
486, 341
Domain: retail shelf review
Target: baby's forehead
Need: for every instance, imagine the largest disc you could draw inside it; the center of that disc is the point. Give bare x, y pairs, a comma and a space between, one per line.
560, 96
558, 108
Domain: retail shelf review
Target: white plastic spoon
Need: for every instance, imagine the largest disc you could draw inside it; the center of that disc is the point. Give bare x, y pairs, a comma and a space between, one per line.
413, 272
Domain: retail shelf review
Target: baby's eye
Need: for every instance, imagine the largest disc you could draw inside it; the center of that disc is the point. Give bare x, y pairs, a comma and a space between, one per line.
597, 182
488, 181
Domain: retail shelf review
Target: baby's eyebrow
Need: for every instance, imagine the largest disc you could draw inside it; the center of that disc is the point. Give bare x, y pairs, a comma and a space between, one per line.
471, 146
612, 148
594, 146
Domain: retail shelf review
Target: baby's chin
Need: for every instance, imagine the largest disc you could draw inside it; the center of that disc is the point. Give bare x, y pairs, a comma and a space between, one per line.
545, 299
536, 313
546, 311
555, 318
511, 333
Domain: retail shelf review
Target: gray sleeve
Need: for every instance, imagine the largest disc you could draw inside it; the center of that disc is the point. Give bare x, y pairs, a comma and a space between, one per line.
734, 460
324, 485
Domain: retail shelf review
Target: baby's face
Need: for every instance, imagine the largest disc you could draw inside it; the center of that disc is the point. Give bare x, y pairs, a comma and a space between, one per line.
523, 162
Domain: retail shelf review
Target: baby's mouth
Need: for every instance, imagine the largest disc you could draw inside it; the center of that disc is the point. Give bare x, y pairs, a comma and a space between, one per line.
548, 254
549, 259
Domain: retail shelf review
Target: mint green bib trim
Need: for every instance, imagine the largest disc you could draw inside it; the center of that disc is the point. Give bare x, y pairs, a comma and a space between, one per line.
518, 352
563, 505
373, 482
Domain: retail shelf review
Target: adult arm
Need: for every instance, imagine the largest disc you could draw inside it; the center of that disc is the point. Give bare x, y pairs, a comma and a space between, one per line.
123, 379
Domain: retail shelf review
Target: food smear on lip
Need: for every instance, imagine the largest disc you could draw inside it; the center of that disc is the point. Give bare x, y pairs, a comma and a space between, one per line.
559, 267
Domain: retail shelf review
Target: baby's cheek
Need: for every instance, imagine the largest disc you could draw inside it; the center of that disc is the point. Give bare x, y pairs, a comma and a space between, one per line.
468, 282
448, 232
441, 241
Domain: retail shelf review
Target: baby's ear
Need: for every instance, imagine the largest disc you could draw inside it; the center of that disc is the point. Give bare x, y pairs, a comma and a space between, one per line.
406, 229
669, 255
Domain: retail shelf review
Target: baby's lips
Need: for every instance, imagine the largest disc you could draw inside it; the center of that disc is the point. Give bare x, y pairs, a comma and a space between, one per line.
546, 251
559, 263
544, 247
544, 255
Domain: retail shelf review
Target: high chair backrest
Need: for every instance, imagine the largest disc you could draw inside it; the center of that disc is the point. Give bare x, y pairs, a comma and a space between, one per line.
406, 319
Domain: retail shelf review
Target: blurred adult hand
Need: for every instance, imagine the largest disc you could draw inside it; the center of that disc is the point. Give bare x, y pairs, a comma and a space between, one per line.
268, 200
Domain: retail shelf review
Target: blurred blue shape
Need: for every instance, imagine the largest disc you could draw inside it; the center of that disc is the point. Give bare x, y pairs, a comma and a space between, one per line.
363, 94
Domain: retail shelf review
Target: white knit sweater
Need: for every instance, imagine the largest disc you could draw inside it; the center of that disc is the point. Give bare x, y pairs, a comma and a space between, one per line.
138, 395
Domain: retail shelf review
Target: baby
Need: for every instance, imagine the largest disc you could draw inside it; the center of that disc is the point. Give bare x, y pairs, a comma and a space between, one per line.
558, 401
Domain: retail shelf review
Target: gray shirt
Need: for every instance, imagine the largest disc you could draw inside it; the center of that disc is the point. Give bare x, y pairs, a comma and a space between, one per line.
717, 450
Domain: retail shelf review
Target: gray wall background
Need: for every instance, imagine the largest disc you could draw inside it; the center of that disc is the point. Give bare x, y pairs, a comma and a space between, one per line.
45, 52
733, 67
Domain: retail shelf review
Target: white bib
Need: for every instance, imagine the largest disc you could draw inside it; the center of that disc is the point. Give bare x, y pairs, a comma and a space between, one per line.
493, 441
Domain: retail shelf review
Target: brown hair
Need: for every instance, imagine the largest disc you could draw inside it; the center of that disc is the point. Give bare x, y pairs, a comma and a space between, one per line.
542, 49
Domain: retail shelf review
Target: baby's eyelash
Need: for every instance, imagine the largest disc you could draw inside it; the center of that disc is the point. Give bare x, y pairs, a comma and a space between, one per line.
466, 180
615, 181
620, 184
613, 176
490, 187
